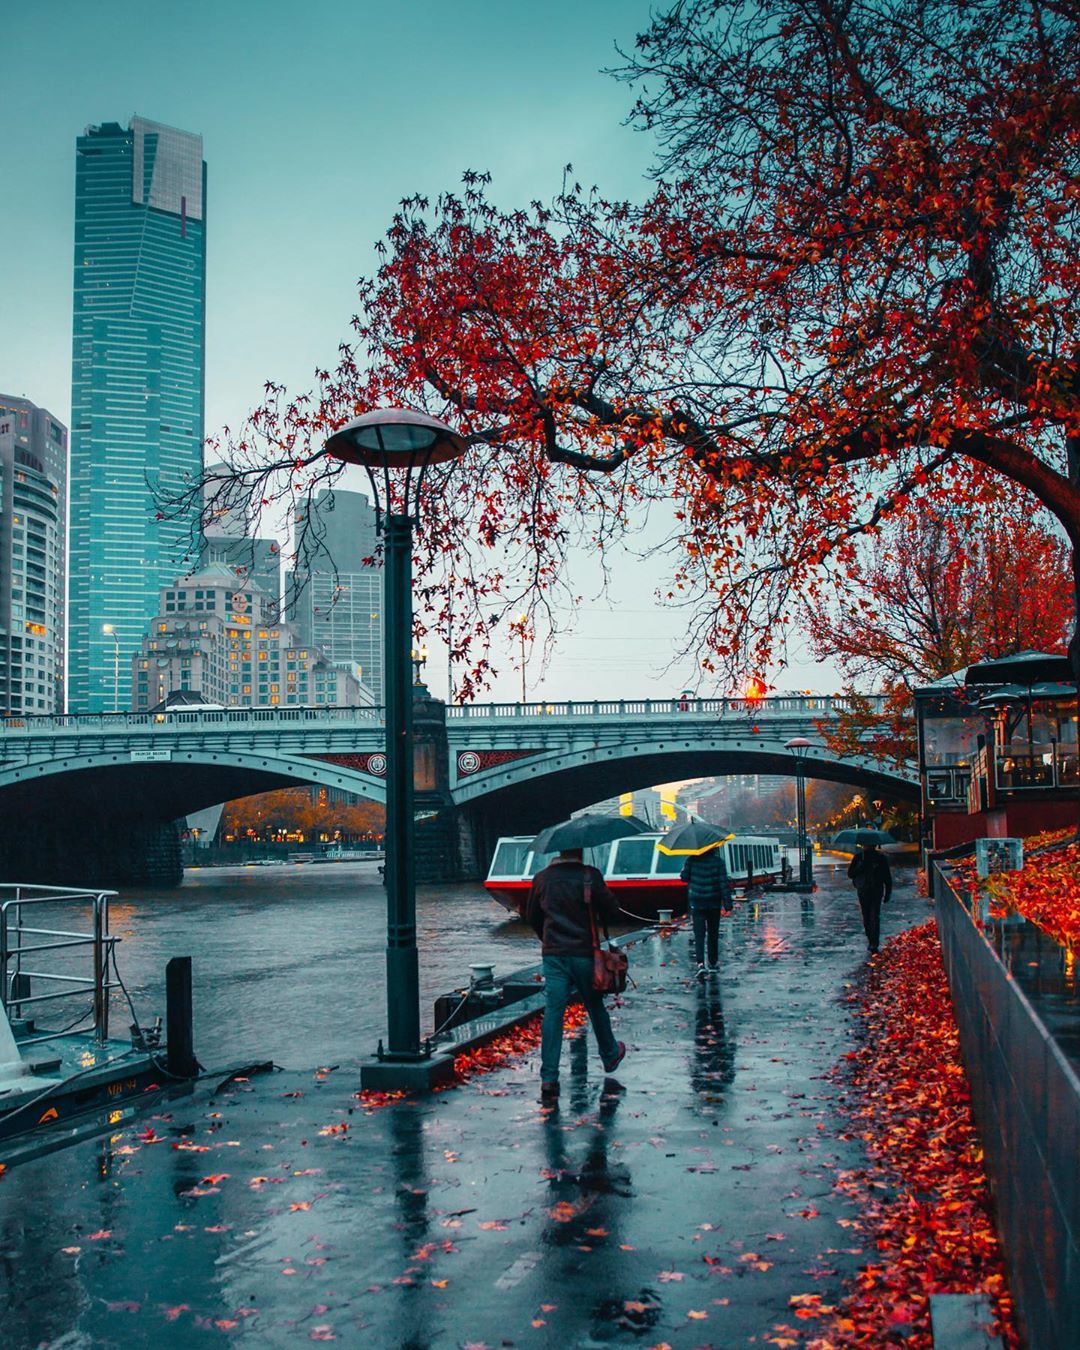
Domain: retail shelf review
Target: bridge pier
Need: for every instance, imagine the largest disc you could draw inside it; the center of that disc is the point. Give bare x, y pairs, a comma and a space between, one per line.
91, 851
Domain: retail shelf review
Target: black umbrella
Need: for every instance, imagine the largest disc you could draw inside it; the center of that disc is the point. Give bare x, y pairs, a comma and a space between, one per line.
585, 831
692, 839
1025, 668
873, 837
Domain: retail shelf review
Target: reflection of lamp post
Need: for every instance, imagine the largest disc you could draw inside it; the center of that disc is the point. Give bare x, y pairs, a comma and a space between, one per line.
398, 444
798, 745
522, 618
111, 631
419, 660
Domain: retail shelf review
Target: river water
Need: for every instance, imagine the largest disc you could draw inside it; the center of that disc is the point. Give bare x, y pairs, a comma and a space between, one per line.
288, 962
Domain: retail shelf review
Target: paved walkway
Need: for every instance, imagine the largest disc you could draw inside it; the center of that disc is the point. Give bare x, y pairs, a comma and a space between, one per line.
686, 1207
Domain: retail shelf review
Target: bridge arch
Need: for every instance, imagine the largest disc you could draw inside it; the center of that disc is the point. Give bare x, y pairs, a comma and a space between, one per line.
525, 796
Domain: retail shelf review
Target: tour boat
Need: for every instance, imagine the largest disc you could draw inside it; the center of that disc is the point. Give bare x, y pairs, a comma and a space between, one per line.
643, 879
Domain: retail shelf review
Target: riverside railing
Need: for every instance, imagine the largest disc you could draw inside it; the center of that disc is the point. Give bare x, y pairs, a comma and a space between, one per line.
21, 940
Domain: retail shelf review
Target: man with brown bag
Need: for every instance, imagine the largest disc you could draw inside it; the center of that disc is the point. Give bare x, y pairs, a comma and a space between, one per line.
558, 910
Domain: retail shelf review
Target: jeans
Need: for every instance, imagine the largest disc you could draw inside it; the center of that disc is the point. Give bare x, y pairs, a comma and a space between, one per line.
565, 977
706, 924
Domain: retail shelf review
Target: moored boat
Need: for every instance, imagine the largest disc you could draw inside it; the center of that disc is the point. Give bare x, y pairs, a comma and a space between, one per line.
643, 879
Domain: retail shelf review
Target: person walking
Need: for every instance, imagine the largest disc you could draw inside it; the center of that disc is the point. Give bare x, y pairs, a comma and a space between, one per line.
869, 870
709, 896
557, 912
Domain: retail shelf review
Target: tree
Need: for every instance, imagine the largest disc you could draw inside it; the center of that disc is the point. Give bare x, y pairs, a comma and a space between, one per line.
854, 287
296, 810
935, 591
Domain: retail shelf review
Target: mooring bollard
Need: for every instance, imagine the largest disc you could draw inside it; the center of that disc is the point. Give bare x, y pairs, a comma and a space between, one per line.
179, 1030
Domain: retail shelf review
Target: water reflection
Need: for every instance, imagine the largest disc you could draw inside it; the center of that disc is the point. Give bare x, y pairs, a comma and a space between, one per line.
1046, 972
712, 1066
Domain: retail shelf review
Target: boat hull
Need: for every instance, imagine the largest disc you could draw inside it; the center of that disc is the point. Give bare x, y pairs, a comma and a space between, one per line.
642, 899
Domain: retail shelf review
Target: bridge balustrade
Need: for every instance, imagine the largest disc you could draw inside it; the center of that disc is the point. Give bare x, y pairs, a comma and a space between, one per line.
818, 705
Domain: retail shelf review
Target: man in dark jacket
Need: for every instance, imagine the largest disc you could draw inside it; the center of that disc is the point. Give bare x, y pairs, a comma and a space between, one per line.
556, 910
869, 870
709, 895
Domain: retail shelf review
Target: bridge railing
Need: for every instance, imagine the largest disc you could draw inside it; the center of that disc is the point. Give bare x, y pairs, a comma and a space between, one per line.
816, 705
204, 717
762, 709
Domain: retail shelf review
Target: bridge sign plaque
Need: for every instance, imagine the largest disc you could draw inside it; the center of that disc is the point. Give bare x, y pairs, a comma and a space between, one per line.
140, 756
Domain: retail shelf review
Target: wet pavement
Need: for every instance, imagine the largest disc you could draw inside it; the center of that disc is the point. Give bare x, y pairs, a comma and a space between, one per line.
685, 1204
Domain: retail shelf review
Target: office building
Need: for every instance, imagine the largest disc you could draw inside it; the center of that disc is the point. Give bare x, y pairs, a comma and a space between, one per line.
221, 637
333, 594
33, 477
138, 361
255, 560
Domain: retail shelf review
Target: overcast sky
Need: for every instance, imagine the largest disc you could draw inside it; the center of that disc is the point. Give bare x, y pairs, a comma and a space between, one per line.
317, 119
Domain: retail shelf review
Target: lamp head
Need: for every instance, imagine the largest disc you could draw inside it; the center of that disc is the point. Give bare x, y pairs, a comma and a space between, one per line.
798, 745
395, 438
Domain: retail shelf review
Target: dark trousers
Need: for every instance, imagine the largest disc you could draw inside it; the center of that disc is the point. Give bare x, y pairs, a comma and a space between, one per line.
871, 918
706, 924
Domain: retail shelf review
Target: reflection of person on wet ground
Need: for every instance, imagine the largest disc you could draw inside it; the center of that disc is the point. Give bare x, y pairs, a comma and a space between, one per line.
594, 1176
713, 1066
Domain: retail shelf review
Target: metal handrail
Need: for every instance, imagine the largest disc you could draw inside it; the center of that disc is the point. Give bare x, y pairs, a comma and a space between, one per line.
14, 949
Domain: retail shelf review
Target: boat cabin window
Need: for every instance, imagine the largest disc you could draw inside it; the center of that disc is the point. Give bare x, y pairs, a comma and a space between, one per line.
539, 862
633, 857
509, 860
668, 865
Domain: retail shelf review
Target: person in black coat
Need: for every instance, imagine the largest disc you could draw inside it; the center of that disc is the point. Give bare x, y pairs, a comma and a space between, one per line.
709, 895
869, 870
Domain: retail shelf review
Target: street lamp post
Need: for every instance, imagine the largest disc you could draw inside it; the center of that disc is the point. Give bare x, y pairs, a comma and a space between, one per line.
111, 631
522, 620
419, 659
798, 745
393, 446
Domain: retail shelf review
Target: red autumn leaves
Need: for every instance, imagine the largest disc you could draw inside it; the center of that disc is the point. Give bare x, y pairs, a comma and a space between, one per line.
924, 1198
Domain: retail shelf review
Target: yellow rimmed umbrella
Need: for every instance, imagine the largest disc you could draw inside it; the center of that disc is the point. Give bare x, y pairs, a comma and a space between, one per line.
693, 839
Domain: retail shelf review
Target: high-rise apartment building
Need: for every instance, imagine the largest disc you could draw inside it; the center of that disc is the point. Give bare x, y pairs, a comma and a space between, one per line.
222, 638
33, 478
137, 385
332, 597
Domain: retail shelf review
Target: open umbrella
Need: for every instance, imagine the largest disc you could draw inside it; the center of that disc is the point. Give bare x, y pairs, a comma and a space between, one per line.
585, 831
874, 837
692, 839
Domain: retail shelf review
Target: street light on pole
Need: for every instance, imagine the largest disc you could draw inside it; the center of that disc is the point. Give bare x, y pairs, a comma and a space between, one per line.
109, 629
393, 445
419, 660
798, 745
522, 620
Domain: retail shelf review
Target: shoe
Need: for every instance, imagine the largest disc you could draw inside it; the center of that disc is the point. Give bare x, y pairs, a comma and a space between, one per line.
713, 968
699, 971
549, 1092
614, 1064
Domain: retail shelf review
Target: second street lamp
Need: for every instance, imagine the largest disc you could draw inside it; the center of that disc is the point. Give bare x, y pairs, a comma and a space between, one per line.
798, 745
393, 445
110, 631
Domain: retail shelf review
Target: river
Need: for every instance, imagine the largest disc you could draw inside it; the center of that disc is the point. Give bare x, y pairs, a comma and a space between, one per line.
288, 962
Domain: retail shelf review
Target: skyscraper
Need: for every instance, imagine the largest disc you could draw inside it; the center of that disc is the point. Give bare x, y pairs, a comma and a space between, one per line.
33, 478
334, 600
137, 385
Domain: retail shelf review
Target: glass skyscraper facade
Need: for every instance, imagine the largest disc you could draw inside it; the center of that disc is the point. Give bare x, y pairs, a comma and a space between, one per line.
137, 387
33, 481
332, 597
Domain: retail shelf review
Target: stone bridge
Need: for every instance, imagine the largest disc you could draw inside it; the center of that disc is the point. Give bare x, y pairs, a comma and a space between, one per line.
100, 792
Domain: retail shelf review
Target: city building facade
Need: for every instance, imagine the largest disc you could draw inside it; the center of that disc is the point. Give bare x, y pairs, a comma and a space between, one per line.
334, 599
221, 637
137, 386
33, 478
